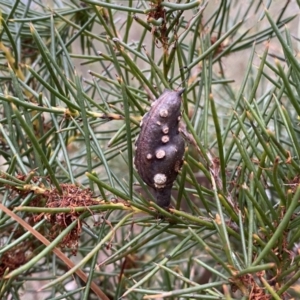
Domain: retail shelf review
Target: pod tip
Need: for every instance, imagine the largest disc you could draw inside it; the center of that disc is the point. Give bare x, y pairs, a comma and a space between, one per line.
180, 92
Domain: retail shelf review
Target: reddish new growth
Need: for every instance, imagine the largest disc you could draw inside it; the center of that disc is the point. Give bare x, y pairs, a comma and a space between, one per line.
248, 283
14, 258
71, 197
157, 13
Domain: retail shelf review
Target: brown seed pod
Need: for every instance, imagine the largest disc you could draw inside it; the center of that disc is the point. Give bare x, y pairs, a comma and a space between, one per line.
165, 152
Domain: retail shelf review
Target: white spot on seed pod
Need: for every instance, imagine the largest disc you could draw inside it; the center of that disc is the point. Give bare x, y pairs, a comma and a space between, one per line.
160, 154
149, 156
179, 118
163, 113
165, 130
159, 180
165, 138
158, 123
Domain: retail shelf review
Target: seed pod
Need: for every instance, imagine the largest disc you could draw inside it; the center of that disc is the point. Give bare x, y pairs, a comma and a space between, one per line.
160, 147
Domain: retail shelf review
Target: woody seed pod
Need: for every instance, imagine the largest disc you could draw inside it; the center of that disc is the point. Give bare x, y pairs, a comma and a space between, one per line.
160, 139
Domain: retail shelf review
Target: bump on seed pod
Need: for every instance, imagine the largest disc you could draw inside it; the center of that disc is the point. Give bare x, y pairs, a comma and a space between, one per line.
160, 147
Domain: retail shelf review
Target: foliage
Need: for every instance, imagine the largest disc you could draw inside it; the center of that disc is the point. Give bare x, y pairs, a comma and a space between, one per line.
68, 184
